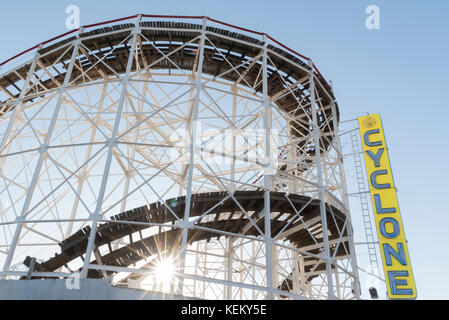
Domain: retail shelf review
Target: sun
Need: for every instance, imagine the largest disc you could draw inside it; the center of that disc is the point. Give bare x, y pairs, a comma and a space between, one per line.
164, 271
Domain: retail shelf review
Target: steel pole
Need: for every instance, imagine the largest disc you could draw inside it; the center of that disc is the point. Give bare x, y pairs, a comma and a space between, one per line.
322, 190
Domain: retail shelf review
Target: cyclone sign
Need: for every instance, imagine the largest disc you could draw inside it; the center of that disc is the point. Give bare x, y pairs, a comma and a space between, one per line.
390, 231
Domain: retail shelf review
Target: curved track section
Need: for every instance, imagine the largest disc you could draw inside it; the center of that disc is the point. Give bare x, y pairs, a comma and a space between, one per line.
162, 37
225, 219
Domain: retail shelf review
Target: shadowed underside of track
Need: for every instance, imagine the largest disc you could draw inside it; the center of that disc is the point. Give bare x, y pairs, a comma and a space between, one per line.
223, 219
228, 58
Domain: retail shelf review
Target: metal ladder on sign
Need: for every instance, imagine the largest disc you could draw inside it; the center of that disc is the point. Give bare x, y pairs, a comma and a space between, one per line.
364, 203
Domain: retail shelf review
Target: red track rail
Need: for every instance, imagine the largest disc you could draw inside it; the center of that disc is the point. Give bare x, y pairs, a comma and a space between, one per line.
170, 17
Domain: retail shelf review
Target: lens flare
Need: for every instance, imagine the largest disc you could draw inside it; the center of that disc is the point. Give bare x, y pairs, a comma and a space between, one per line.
164, 270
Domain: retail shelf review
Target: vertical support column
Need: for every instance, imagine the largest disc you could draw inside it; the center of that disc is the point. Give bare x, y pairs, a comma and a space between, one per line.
42, 154
229, 260
275, 265
353, 257
267, 166
302, 275
234, 90
290, 155
254, 252
185, 224
197, 262
240, 267
205, 270
298, 274
322, 190
337, 283
296, 285
111, 144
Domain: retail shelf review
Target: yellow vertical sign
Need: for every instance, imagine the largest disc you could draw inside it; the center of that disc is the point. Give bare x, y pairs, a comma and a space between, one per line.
390, 231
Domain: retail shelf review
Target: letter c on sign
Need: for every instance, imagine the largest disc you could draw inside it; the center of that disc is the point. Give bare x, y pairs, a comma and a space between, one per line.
374, 182
383, 230
366, 138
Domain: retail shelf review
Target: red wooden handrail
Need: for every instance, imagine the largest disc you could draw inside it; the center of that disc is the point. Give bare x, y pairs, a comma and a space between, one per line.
110, 21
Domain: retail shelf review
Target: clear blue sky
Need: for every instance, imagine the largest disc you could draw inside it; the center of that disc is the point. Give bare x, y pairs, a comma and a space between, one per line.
400, 71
